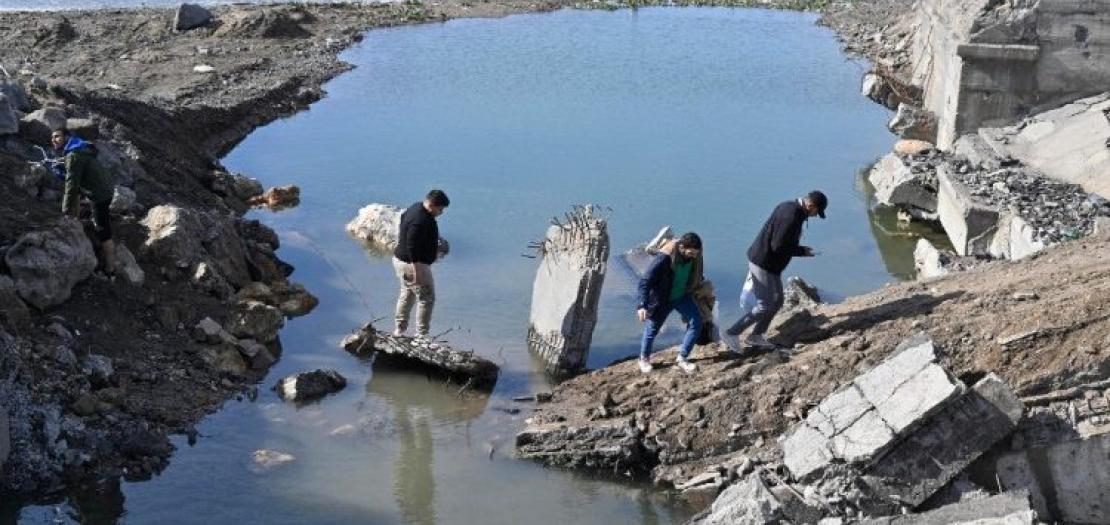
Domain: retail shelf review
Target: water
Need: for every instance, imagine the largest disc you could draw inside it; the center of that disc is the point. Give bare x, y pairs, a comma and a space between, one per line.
699, 118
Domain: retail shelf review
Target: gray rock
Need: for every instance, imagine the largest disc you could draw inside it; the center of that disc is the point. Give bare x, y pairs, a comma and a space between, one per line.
929, 261
123, 199
746, 502
47, 264
1011, 508
121, 161
37, 125
99, 370
573, 260
896, 185
255, 320
17, 96
1068, 481
970, 223
174, 235
246, 187
12, 309
83, 127
307, 386
912, 122
128, 267
257, 291
209, 279
209, 331
9, 120
191, 16
30, 180
800, 294
460, 365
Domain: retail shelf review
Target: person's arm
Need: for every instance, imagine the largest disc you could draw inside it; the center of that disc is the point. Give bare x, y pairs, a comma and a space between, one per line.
71, 196
651, 276
787, 234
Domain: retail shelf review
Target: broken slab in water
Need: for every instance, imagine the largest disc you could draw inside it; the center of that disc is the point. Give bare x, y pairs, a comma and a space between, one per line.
573, 260
639, 258
437, 356
377, 226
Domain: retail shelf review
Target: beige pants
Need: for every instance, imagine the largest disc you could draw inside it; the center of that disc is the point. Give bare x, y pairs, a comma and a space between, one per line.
424, 293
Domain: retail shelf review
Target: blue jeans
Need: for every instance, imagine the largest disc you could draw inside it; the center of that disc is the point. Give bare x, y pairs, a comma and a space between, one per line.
689, 310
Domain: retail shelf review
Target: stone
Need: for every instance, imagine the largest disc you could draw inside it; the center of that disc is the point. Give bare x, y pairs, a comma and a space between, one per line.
259, 357
99, 370
82, 127
16, 95
307, 386
174, 235
806, 451
298, 304
121, 161
85, 405
876, 88
277, 197
800, 294
257, 291
47, 264
838, 411
9, 119
863, 440
123, 200
255, 320
917, 398
226, 360
929, 261
264, 459
912, 122
128, 267
746, 502
1009, 508
942, 447
1101, 230
30, 179
191, 16
246, 187
209, 279
211, 332
896, 185
1069, 481
567, 288
13, 311
970, 223
913, 147
977, 152
377, 225
37, 125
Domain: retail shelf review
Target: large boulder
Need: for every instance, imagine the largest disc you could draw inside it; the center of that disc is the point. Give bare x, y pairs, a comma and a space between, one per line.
128, 267
191, 16
307, 386
255, 320
47, 264
120, 160
17, 96
37, 125
897, 185
123, 199
174, 235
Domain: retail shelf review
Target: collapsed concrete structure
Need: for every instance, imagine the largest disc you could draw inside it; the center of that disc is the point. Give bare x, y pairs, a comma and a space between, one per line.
988, 62
573, 259
433, 356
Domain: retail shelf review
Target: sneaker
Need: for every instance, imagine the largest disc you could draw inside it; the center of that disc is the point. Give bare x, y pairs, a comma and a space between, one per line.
759, 343
397, 332
733, 343
645, 365
686, 365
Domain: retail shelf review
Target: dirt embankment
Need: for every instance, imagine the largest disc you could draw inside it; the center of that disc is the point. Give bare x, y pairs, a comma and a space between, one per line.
1041, 324
167, 104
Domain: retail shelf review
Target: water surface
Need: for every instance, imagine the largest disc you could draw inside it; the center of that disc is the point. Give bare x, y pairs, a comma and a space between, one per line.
700, 118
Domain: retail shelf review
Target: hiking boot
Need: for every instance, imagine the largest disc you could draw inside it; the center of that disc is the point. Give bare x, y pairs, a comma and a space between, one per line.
645, 365
759, 343
686, 365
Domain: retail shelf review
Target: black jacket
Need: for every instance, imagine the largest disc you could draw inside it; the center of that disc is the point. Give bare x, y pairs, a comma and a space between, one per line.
778, 241
655, 286
419, 236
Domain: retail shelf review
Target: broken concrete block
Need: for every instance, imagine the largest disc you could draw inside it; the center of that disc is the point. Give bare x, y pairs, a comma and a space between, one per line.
970, 224
1011, 508
909, 358
931, 456
748, 501
864, 440
567, 289
838, 411
1069, 481
1015, 472
917, 398
929, 261
896, 185
912, 122
805, 451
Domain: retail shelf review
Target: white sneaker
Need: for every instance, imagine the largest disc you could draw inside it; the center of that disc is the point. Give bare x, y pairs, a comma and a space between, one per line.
759, 342
685, 365
397, 332
645, 365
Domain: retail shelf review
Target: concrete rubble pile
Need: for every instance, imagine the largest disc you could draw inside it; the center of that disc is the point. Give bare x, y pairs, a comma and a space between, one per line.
573, 260
886, 442
416, 352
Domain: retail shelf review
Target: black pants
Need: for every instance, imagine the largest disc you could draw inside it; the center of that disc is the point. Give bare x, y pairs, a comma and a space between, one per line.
102, 223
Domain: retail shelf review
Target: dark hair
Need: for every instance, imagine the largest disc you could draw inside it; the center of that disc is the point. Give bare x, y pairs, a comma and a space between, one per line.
690, 240
438, 198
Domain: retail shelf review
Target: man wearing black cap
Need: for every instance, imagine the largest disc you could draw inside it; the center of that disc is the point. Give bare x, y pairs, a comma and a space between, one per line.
768, 256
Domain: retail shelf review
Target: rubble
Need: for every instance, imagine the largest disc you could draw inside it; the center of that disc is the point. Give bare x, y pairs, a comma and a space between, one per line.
277, 197
428, 354
307, 386
573, 261
1010, 508
747, 502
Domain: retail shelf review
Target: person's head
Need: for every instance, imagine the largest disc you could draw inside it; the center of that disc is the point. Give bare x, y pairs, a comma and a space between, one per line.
689, 245
436, 201
58, 138
815, 203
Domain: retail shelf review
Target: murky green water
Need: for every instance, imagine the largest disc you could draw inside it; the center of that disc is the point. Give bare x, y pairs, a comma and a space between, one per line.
699, 118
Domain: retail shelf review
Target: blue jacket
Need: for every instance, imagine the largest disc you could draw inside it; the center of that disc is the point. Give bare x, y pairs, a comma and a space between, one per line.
655, 286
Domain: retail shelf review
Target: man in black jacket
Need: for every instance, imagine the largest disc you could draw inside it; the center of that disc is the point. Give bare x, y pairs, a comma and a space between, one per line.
417, 245
770, 252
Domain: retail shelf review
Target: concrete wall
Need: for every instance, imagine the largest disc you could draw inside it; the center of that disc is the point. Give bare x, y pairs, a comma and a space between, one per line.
987, 66
1068, 481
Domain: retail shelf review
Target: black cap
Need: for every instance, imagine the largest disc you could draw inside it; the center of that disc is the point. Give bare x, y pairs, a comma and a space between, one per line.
820, 200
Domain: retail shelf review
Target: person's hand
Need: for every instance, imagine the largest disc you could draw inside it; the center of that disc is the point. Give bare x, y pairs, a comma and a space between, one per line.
808, 252
641, 314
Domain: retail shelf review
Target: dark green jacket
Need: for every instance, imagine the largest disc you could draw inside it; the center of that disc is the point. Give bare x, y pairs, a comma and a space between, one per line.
84, 174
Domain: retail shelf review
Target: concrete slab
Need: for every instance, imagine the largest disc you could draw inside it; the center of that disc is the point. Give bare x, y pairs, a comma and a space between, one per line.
1011, 508
896, 185
909, 358
918, 398
838, 411
805, 451
970, 224
864, 440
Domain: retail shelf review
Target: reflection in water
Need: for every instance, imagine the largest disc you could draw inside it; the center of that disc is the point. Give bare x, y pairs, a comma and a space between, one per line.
417, 401
896, 239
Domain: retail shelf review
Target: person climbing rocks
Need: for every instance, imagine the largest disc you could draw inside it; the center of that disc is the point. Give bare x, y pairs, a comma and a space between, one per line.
84, 175
668, 285
773, 248
417, 249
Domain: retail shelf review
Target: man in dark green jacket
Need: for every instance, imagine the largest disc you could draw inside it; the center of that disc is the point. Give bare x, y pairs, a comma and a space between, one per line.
85, 175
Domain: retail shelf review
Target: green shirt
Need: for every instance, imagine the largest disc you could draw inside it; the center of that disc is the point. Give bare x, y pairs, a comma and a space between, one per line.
681, 277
